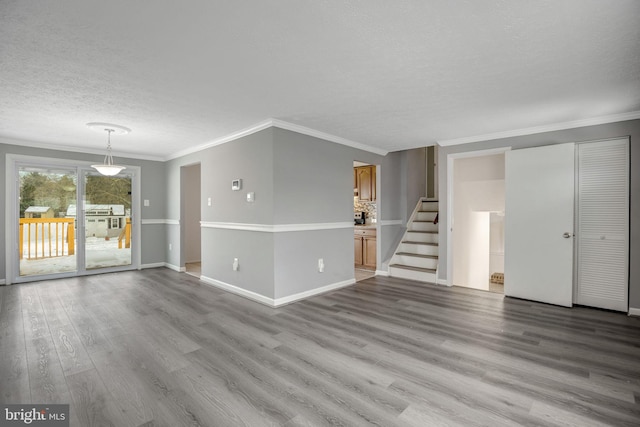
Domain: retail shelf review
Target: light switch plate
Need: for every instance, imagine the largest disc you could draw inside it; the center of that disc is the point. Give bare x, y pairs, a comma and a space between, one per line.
146, 202
250, 197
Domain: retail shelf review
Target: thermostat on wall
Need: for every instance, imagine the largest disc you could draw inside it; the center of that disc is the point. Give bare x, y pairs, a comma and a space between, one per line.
236, 184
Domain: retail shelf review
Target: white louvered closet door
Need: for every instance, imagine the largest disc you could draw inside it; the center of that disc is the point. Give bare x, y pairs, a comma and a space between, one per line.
603, 224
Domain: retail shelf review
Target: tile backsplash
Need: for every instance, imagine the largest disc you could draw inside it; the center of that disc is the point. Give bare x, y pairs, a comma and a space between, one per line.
368, 207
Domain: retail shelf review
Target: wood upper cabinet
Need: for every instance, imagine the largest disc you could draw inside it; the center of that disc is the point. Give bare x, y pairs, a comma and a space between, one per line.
366, 183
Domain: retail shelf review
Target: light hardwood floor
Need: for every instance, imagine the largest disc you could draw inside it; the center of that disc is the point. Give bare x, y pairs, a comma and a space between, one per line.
161, 348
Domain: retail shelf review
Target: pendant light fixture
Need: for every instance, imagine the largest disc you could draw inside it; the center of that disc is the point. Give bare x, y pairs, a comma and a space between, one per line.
108, 168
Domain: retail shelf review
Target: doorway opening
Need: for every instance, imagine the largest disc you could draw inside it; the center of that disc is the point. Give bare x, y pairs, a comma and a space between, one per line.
365, 214
191, 214
477, 200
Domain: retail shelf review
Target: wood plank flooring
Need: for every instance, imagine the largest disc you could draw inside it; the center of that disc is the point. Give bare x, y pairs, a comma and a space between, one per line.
160, 348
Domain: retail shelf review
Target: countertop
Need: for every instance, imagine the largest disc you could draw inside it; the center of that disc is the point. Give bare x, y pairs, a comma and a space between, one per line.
366, 226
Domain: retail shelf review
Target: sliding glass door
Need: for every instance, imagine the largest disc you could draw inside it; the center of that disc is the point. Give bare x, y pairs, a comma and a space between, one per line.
46, 232
70, 220
107, 220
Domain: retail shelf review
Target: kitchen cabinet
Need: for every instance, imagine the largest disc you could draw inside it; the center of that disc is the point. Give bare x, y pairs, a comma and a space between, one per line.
364, 243
365, 177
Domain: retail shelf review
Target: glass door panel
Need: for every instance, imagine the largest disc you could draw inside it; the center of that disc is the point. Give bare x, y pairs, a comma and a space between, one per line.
46, 225
107, 220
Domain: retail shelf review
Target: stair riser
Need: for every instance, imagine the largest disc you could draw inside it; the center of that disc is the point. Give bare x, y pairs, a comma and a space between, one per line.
429, 206
425, 216
424, 226
418, 249
412, 275
415, 261
422, 237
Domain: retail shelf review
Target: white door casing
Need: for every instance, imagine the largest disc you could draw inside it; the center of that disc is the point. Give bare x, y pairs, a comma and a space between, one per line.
539, 215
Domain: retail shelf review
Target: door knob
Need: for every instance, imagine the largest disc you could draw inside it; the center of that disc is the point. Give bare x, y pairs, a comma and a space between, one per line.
566, 235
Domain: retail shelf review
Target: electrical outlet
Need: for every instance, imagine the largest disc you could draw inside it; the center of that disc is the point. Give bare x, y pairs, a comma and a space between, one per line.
235, 264
209, 201
320, 265
170, 247
146, 202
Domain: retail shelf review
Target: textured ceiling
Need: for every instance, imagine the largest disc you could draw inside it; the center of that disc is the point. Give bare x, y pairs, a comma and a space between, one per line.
388, 74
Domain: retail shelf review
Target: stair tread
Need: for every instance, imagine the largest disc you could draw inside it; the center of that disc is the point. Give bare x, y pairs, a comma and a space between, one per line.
411, 242
420, 231
422, 220
409, 267
417, 255
428, 211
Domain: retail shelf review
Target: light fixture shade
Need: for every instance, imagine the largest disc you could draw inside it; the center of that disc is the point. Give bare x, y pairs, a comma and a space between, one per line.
108, 170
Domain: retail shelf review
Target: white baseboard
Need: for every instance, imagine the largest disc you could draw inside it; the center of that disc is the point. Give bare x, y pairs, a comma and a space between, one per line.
384, 273
152, 265
313, 292
3, 282
238, 291
634, 311
444, 282
271, 302
175, 267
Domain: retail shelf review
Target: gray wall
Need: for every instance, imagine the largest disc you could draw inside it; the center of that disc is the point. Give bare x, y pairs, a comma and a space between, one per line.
255, 253
191, 211
251, 159
590, 133
415, 174
431, 162
296, 260
296, 179
152, 176
313, 179
392, 194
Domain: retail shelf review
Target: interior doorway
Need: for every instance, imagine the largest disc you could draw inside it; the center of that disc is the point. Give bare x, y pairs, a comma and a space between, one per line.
365, 214
477, 201
191, 215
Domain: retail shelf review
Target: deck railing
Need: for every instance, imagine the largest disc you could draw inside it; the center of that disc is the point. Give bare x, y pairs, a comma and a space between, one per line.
46, 237
125, 235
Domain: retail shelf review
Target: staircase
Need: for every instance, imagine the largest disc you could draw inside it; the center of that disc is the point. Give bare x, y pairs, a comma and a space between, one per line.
416, 257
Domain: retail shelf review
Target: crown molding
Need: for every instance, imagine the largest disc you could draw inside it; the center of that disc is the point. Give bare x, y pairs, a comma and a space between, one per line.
326, 136
223, 139
83, 150
633, 115
281, 124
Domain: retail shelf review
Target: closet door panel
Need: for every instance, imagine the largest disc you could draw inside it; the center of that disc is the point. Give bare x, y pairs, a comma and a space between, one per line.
603, 224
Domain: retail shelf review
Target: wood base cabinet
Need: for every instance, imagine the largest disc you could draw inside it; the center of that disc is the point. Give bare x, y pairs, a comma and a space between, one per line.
364, 245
